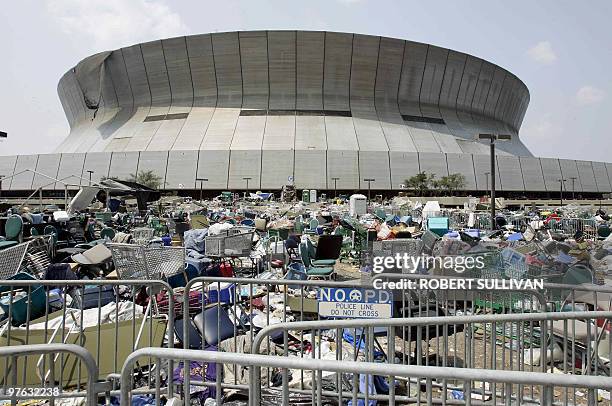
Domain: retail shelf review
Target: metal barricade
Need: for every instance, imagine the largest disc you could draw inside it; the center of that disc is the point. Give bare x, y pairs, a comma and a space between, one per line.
518, 223
234, 294
570, 226
548, 385
440, 351
221, 319
481, 221
462, 219
470, 350
110, 319
14, 389
585, 296
458, 219
227, 301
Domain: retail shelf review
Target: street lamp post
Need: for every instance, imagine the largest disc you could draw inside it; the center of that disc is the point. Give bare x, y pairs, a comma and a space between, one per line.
201, 180
486, 174
561, 181
90, 173
369, 180
492, 138
247, 178
573, 178
1, 176
335, 187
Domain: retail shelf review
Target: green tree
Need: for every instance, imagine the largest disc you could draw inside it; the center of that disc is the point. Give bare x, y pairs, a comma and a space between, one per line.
146, 178
456, 181
451, 183
421, 182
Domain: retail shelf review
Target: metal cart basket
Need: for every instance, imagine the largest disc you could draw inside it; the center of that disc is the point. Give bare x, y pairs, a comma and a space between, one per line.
235, 242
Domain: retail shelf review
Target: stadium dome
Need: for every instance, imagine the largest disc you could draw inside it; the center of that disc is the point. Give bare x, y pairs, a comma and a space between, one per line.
312, 108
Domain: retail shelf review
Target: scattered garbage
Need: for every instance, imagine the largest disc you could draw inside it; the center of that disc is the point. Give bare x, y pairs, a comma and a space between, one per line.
258, 239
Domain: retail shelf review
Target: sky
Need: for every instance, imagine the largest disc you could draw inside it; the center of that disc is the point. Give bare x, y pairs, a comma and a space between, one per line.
561, 49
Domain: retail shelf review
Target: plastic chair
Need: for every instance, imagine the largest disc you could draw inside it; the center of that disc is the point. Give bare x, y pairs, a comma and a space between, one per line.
312, 227
26, 308
323, 262
48, 230
107, 232
13, 229
312, 271
299, 225
328, 247
314, 223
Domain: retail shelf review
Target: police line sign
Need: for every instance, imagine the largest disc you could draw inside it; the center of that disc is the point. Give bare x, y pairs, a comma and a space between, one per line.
355, 303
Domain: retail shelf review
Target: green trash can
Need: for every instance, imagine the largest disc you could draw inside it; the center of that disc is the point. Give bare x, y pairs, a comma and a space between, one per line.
603, 231
35, 298
306, 196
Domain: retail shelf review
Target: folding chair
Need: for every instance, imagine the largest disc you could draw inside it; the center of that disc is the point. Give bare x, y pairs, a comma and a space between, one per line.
312, 271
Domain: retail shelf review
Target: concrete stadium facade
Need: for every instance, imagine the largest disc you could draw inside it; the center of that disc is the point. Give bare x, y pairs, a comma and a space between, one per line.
308, 106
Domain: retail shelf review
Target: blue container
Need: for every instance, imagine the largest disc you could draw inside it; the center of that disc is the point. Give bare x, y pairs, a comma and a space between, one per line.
473, 232
167, 240
406, 220
222, 292
93, 296
248, 222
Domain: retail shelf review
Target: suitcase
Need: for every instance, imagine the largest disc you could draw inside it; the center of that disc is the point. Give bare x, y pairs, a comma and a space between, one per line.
95, 296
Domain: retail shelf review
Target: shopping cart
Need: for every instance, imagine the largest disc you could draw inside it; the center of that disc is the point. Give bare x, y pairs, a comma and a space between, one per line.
134, 261
233, 243
11, 259
130, 261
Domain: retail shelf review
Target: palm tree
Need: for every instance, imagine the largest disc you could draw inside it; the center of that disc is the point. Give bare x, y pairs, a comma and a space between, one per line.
420, 182
146, 178
455, 181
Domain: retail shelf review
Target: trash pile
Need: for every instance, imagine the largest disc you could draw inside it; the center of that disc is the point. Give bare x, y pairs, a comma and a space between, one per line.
262, 251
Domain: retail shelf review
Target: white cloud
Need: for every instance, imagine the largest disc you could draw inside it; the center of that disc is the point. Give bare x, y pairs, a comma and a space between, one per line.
541, 130
542, 52
589, 95
111, 24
